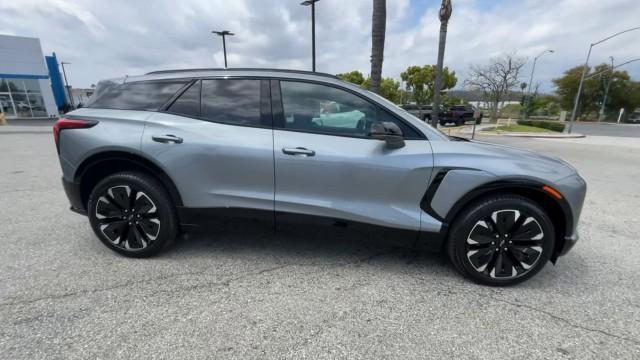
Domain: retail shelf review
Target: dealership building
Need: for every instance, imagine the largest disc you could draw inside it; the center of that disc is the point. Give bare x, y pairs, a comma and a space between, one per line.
30, 85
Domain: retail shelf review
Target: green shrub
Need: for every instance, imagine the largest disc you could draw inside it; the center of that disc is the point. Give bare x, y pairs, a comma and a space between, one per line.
551, 125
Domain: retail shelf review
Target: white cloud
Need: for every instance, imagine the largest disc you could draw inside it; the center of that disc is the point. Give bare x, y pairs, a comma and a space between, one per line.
112, 38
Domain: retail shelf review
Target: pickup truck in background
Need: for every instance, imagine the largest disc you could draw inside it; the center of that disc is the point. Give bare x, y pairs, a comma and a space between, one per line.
459, 114
422, 112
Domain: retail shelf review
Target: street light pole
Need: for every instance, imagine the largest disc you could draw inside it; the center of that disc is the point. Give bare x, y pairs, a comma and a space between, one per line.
224, 33
66, 83
312, 3
526, 114
606, 91
584, 73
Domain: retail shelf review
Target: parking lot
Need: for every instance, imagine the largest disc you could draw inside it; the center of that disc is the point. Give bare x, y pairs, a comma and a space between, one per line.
306, 293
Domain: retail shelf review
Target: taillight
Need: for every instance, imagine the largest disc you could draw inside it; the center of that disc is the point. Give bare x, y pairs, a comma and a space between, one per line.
63, 124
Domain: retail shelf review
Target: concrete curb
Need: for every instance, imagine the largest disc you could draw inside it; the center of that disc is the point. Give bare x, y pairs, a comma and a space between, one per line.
546, 136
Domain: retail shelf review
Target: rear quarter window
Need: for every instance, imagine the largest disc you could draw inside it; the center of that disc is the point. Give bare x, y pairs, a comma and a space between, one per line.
142, 95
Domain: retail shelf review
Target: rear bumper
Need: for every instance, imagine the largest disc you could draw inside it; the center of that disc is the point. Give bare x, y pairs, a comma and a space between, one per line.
72, 190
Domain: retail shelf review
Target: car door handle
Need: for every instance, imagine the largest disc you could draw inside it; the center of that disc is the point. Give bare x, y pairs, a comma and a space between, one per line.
167, 139
298, 151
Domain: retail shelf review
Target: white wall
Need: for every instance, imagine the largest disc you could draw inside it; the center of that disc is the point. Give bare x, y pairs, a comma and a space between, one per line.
23, 56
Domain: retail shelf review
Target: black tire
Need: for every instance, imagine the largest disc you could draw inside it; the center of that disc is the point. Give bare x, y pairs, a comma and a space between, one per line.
137, 205
525, 248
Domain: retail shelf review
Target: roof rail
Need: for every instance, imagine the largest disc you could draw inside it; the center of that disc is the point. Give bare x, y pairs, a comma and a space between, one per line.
243, 69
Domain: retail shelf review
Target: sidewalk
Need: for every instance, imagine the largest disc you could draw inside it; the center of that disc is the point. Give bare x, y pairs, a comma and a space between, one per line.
27, 126
549, 135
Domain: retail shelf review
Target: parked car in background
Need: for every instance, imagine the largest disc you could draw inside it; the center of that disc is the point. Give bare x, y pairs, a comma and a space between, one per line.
422, 112
459, 114
634, 118
155, 155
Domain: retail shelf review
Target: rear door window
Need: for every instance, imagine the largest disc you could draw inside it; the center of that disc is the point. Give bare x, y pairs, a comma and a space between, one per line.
141, 95
188, 103
231, 101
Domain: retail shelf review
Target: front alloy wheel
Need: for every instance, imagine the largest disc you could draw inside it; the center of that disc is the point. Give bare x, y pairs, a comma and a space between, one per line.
501, 240
505, 245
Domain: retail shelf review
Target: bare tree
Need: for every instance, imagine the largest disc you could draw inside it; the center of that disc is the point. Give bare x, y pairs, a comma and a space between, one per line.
496, 79
445, 14
378, 28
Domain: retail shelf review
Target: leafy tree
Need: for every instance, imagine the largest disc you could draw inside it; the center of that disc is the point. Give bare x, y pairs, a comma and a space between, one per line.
496, 79
623, 93
354, 77
420, 81
389, 88
449, 101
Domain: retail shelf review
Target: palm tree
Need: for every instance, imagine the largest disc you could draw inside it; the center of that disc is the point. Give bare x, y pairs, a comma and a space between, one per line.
378, 27
445, 14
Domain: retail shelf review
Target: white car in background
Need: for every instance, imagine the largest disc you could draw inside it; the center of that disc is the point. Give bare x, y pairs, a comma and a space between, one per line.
634, 118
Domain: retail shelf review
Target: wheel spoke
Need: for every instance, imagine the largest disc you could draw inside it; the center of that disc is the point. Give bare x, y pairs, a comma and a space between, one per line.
526, 243
110, 220
504, 220
132, 199
120, 195
480, 258
139, 238
143, 205
528, 231
115, 231
517, 224
151, 227
107, 208
481, 234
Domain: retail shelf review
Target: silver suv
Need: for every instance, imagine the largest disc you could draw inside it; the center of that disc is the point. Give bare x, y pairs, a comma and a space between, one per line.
154, 155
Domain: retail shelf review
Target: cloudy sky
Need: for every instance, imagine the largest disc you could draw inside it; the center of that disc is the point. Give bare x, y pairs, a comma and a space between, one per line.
104, 39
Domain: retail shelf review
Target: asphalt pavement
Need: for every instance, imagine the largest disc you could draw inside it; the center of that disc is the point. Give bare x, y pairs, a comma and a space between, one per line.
244, 293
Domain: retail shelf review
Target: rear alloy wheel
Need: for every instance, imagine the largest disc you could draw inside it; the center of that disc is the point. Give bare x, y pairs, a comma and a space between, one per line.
132, 214
501, 240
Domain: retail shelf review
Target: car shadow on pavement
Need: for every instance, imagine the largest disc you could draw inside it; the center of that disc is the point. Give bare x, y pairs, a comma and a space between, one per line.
308, 245
312, 245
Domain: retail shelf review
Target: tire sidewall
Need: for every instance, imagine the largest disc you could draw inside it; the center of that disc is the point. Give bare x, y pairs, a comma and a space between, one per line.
153, 189
463, 226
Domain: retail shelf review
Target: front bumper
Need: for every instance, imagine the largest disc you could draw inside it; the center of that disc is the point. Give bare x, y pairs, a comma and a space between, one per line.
74, 194
569, 242
574, 190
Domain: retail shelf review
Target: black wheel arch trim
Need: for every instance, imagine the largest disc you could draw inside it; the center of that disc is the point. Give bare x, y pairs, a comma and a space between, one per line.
527, 185
128, 158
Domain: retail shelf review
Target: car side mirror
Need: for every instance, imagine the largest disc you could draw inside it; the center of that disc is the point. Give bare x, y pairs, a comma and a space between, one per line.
388, 132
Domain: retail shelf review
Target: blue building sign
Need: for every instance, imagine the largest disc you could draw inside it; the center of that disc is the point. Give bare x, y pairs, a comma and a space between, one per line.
57, 85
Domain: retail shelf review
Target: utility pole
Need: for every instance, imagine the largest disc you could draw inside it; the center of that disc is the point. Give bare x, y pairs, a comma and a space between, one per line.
584, 73
312, 3
445, 14
224, 33
606, 91
66, 83
533, 68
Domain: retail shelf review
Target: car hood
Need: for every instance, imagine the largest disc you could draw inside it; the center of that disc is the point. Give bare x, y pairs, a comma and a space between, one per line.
501, 160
